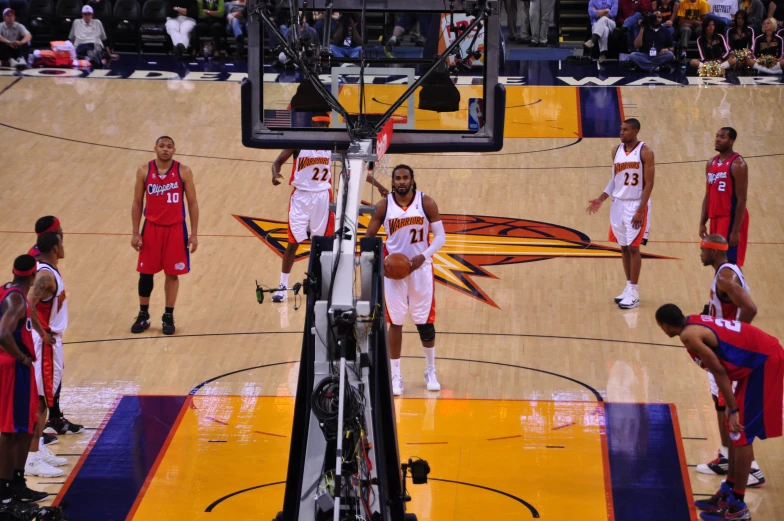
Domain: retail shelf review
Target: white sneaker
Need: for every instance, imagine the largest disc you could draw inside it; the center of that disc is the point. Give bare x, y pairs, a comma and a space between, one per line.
280, 295
36, 466
622, 295
430, 379
55, 461
589, 44
756, 479
631, 300
397, 385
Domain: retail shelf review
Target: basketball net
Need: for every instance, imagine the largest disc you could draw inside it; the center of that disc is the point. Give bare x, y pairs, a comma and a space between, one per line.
381, 167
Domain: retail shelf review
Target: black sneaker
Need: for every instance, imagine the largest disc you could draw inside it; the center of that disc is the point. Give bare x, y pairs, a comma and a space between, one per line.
61, 425
50, 439
27, 495
142, 323
168, 323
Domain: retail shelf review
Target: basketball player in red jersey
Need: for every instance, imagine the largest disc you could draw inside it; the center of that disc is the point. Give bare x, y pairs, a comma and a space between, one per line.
162, 185
729, 299
734, 352
49, 223
725, 196
408, 216
18, 389
311, 177
631, 185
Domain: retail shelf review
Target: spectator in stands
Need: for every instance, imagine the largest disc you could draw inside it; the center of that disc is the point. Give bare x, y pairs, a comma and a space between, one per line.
722, 12
320, 26
711, 45
690, 16
511, 19
180, 24
654, 45
211, 23
602, 13
541, 15
740, 35
237, 22
669, 11
404, 24
347, 41
776, 11
14, 38
756, 12
18, 6
631, 16
769, 44
87, 35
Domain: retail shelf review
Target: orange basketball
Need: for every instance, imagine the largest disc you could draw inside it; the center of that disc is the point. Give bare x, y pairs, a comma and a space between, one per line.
397, 266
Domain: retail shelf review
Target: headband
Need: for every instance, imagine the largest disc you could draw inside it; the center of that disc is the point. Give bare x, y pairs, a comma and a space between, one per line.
714, 246
52, 228
321, 119
20, 273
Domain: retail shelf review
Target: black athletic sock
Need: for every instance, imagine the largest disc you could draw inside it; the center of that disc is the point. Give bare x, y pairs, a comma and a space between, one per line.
5, 489
54, 410
169, 311
739, 497
144, 308
595, 38
730, 483
18, 478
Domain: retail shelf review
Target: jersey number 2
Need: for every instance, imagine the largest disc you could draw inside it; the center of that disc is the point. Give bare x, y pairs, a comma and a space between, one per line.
722, 186
414, 238
635, 179
732, 325
325, 174
172, 197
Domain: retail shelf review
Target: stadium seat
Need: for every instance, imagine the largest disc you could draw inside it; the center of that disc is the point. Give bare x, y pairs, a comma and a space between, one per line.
125, 25
66, 11
152, 33
102, 11
41, 21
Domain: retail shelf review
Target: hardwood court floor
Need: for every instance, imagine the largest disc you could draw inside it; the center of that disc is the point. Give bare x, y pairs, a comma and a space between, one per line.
71, 147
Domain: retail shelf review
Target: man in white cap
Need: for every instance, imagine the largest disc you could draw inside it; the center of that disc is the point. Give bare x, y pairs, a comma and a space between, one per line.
87, 34
14, 38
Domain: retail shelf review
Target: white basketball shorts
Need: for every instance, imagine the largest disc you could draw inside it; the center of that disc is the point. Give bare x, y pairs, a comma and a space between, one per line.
621, 229
413, 295
48, 366
309, 211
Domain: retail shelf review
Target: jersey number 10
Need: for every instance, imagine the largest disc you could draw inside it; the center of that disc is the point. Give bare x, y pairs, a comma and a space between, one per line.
172, 197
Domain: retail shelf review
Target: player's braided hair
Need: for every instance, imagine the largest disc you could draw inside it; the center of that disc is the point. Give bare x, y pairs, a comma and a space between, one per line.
410, 171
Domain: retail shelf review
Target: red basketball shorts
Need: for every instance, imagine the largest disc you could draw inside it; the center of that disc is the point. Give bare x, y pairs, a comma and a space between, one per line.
723, 226
18, 396
164, 248
759, 400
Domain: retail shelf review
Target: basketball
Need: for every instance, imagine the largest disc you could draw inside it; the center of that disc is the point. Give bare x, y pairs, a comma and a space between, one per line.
397, 266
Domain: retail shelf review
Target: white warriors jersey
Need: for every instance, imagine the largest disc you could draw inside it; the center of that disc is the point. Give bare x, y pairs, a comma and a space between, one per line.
627, 173
719, 308
53, 312
408, 230
312, 171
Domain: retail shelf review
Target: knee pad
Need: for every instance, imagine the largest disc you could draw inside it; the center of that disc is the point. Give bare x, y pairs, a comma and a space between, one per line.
145, 284
719, 408
427, 332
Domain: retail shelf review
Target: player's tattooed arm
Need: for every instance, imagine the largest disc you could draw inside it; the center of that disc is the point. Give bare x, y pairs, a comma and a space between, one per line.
729, 283
14, 311
43, 288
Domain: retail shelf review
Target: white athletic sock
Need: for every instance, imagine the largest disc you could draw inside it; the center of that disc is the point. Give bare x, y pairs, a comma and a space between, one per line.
628, 283
725, 451
284, 279
395, 366
430, 356
776, 69
754, 464
725, 65
633, 287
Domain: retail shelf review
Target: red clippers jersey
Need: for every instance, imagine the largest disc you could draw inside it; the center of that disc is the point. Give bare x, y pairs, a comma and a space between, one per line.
721, 187
164, 199
23, 333
742, 347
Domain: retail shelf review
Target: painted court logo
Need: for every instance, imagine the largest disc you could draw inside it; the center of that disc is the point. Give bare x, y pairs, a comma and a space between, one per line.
473, 242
